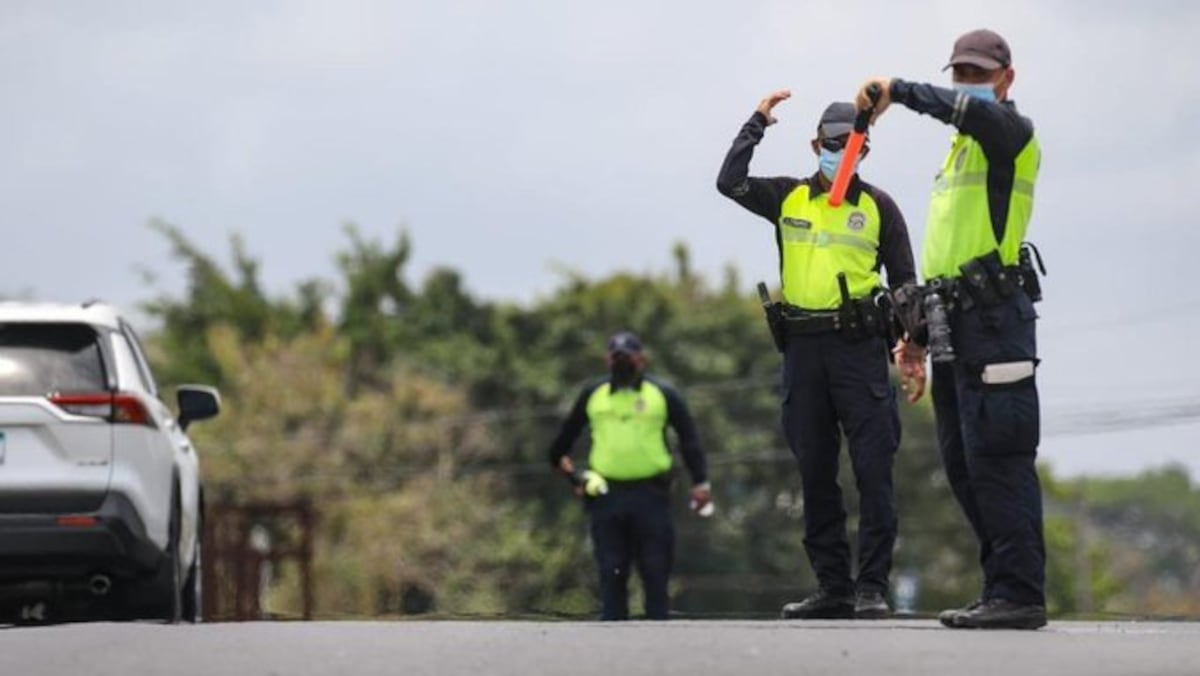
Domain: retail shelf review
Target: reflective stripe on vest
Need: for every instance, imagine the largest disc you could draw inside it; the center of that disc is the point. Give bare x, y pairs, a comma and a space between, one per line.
817, 241
960, 220
628, 432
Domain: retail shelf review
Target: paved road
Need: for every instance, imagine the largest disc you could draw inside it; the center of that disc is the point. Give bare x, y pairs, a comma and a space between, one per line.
580, 649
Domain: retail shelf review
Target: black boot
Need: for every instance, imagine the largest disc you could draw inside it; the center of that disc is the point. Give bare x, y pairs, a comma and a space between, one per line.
950, 617
871, 605
822, 605
1002, 614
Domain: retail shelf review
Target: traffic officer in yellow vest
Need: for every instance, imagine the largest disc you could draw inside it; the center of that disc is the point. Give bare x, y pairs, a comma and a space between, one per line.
984, 394
835, 372
628, 478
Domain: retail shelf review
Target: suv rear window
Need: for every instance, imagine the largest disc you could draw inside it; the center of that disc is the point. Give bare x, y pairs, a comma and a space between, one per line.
37, 359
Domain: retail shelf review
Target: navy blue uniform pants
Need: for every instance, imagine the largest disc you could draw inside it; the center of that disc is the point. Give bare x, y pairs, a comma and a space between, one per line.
631, 526
833, 387
988, 434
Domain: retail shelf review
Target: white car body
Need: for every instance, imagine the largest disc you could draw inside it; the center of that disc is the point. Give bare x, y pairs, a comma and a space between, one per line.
93, 469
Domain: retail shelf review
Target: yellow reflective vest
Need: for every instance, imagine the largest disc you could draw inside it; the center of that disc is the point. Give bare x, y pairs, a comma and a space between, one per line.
817, 241
629, 432
959, 227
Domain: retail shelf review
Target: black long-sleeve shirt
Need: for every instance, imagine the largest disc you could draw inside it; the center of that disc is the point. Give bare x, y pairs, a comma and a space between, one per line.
765, 196
678, 417
1001, 131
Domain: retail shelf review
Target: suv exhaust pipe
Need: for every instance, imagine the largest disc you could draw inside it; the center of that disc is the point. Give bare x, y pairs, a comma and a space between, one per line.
99, 585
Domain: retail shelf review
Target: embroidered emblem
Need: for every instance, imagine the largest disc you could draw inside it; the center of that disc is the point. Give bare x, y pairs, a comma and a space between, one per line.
857, 221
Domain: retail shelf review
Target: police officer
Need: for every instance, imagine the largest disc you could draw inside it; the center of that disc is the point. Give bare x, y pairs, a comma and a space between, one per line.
835, 372
986, 400
627, 483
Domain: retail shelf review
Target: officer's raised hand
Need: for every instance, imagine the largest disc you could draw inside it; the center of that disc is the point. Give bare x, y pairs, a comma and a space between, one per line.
766, 105
863, 100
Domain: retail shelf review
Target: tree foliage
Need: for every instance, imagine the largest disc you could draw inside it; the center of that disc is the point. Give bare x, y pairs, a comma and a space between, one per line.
416, 416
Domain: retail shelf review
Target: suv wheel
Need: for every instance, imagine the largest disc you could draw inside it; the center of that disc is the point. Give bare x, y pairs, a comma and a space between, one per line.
164, 592
193, 588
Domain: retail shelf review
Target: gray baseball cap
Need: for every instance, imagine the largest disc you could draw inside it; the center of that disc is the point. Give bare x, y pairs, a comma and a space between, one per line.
837, 120
982, 48
624, 342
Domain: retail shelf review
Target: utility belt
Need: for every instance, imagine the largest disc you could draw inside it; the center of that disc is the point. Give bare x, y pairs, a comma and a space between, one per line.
859, 319
923, 312
855, 320
986, 282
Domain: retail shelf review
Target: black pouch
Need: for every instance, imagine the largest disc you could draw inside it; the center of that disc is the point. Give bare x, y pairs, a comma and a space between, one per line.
977, 280
1005, 280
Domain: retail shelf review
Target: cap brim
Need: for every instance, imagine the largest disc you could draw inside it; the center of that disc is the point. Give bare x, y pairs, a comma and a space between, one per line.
836, 129
984, 62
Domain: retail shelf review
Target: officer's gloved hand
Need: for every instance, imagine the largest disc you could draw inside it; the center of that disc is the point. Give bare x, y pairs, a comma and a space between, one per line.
594, 485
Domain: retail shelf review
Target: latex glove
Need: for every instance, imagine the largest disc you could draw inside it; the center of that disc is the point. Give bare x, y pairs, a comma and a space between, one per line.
594, 485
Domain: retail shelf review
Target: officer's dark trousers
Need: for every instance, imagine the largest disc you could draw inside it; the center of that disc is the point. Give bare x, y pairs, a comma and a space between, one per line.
632, 525
988, 436
834, 387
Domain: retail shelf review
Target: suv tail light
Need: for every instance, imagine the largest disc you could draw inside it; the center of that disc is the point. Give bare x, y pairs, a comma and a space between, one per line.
117, 407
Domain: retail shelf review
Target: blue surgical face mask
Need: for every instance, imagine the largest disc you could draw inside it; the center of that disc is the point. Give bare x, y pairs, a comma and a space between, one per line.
983, 92
830, 161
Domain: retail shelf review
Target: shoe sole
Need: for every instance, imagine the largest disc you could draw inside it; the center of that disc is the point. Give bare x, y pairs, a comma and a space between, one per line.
1028, 624
872, 614
846, 615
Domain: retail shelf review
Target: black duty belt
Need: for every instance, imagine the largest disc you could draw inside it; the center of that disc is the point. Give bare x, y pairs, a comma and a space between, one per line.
801, 323
965, 293
860, 320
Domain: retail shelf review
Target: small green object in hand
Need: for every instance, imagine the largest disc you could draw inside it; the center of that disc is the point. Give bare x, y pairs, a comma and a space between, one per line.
594, 485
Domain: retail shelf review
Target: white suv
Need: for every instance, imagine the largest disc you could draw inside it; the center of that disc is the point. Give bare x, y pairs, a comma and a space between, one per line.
100, 495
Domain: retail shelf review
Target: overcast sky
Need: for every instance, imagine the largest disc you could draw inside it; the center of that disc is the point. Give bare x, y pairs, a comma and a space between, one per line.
510, 137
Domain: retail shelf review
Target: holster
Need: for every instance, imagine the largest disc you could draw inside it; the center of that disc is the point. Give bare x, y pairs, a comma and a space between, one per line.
1029, 273
908, 312
774, 315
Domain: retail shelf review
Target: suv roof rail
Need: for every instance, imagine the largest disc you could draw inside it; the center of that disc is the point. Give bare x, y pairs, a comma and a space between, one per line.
90, 302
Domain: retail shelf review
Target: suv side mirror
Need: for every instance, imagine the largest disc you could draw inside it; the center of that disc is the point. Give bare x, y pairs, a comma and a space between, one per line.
197, 402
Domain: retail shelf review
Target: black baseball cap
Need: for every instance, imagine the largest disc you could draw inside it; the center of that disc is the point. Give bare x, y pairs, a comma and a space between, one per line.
624, 342
837, 120
982, 48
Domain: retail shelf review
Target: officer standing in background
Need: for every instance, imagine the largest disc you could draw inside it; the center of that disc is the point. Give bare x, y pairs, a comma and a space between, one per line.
835, 373
986, 399
628, 480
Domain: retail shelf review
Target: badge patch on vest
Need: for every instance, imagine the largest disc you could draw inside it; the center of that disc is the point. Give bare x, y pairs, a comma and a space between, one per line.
797, 223
857, 221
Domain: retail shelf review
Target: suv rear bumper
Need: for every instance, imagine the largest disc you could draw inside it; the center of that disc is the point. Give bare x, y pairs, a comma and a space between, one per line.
34, 546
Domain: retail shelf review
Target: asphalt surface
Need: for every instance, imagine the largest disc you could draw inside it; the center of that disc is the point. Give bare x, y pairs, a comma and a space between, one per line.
579, 649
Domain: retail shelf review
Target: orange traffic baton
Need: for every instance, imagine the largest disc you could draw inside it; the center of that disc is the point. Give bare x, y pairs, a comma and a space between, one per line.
841, 179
